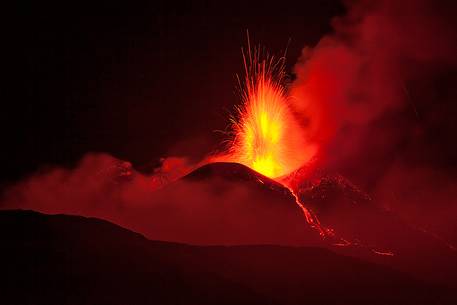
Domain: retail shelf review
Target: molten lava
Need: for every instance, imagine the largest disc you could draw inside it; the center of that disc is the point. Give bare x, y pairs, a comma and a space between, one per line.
267, 137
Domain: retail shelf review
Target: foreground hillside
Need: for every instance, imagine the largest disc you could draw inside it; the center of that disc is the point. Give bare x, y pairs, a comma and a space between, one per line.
64, 259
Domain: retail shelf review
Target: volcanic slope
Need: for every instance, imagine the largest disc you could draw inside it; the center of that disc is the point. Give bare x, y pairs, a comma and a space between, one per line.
372, 233
357, 217
251, 208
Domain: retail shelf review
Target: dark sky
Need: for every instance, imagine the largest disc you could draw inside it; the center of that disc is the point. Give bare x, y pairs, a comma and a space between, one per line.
144, 81
139, 81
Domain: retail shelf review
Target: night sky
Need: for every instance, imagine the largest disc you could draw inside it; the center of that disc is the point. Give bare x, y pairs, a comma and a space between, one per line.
138, 81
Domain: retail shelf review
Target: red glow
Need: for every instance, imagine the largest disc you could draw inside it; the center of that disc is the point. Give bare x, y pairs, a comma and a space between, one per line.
267, 136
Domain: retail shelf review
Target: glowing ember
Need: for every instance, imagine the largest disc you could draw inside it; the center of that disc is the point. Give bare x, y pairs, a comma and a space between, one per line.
267, 137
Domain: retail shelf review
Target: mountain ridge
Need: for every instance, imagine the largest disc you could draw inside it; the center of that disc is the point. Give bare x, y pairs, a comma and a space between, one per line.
63, 259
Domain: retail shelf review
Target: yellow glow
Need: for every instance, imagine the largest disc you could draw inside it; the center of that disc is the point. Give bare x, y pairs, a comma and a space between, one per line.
267, 138
260, 131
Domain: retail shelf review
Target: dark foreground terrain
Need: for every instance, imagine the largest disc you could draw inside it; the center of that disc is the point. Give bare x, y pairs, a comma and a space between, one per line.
75, 260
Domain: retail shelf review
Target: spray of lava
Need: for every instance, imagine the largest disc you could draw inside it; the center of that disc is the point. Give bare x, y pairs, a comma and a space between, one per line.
267, 137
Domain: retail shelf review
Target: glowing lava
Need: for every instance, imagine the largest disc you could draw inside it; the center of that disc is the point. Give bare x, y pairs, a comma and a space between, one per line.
267, 137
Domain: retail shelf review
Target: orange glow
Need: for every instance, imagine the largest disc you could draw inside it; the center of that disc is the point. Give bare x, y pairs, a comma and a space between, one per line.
267, 137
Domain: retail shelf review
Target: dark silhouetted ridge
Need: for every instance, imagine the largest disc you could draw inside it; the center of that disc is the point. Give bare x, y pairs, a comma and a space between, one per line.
63, 259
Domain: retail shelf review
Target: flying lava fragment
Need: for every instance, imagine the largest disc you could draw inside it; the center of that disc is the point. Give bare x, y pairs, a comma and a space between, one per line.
267, 136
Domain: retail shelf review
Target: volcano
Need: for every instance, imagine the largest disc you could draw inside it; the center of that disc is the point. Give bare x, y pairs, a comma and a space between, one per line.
230, 204
265, 205
238, 173
369, 232
231, 153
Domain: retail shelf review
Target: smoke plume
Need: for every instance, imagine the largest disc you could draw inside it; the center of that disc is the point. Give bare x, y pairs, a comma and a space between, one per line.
379, 91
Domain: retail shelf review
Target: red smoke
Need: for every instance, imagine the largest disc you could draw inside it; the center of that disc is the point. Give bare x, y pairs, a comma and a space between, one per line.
361, 72
362, 96
369, 94
208, 212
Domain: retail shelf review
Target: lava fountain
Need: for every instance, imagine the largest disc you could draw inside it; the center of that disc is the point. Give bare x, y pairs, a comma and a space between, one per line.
266, 135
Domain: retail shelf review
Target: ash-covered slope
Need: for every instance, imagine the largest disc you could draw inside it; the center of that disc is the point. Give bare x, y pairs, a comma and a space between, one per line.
373, 233
238, 173
257, 209
355, 216
75, 260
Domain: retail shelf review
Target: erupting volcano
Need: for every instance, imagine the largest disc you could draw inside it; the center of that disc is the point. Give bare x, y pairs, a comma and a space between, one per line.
332, 179
267, 137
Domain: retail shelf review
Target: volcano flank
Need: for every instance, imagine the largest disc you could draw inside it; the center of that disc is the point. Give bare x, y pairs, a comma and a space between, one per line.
362, 229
